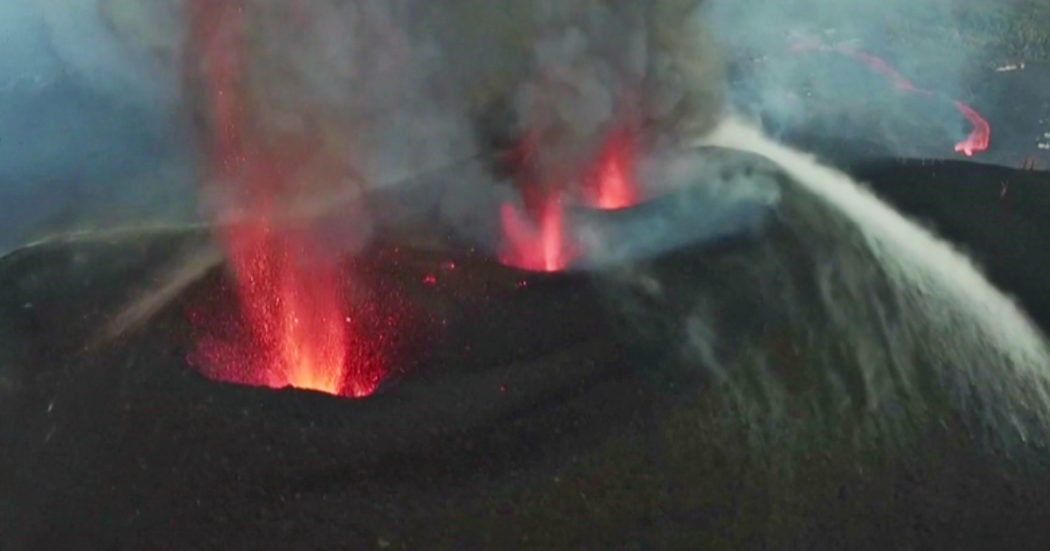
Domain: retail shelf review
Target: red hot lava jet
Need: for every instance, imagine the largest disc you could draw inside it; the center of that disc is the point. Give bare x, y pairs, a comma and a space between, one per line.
613, 183
301, 330
543, 242
538, 245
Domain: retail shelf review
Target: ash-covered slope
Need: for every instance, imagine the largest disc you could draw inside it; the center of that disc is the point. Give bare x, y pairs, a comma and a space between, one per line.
784, 389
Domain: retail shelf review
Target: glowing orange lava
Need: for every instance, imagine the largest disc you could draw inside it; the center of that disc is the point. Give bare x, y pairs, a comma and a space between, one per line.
296, 330
542, 245
614, 182
538, 239
300, 329
978, 139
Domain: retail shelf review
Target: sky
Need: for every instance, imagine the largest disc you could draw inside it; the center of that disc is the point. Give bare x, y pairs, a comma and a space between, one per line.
87, 137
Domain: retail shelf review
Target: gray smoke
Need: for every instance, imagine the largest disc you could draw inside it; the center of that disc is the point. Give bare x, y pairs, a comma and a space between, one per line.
425, 96
425, 99
407, 96
704, 195
413, 101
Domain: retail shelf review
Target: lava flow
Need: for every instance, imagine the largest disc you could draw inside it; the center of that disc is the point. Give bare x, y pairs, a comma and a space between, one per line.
543, 242
296, 327
978, 139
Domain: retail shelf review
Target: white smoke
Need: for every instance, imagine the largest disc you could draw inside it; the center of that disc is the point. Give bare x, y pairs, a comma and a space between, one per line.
939, 275
703, 195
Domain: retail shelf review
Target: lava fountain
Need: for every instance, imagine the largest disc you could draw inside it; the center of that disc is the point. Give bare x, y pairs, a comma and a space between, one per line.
978, 139
613, 184
543, 242
299, 329
538, 245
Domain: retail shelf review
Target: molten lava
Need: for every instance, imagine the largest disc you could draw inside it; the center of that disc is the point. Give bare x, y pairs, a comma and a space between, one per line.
294, 328
296, 307
299, 328
613, 184
542, 241
978, 139
542, 245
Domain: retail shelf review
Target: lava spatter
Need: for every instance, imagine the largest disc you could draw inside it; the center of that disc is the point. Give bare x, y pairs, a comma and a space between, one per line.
296, 325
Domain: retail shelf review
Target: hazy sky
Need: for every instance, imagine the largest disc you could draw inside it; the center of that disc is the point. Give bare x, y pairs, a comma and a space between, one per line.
86, 135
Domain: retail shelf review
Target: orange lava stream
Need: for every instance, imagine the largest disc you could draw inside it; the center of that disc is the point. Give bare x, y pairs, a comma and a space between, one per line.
976, 142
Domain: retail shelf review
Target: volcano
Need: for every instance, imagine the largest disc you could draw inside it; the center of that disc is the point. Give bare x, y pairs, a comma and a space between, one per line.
520, 410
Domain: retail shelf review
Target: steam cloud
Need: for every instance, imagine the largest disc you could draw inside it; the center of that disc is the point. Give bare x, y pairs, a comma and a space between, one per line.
707, 194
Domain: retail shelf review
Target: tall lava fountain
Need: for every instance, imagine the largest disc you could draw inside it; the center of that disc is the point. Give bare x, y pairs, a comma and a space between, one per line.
301, 326
544, 242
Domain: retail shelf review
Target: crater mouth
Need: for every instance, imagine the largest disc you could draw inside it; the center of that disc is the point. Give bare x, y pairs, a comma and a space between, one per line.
491, 370
426, 314
478, 342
